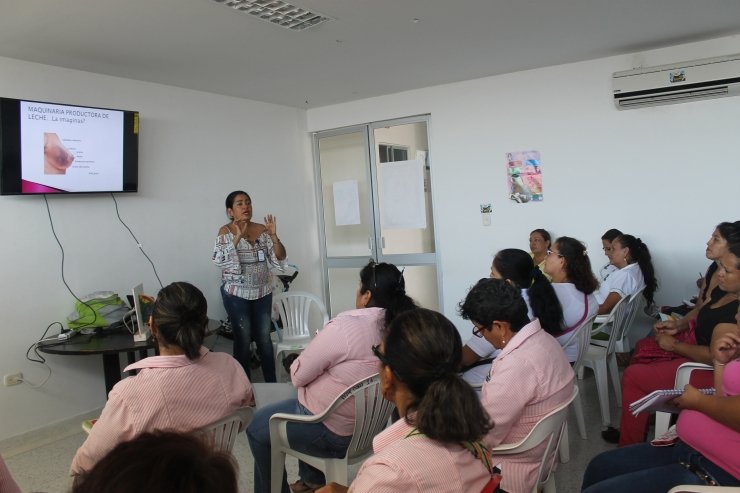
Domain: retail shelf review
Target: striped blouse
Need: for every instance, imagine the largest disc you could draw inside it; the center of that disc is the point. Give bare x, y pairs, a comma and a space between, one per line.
245, 269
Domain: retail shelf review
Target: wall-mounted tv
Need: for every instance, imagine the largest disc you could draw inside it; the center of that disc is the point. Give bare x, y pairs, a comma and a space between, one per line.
60, 148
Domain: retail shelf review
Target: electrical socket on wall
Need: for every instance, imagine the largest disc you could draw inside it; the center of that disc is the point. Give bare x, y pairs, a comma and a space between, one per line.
13, 379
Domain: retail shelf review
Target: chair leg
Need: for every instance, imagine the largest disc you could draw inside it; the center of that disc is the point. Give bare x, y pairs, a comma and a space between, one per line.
336, 471
616, 382
564, 449
602, 386
578, 411
277, 466
580, 373
549, 486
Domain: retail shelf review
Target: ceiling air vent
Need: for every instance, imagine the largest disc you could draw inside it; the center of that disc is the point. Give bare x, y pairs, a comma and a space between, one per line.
280, 13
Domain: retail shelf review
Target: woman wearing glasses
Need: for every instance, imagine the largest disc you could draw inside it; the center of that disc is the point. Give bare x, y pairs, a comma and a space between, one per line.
436, 445
337, 357
574, 284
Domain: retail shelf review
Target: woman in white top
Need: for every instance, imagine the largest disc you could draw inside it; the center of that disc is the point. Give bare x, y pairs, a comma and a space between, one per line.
635, 270
517, 268
574, 284
606, 243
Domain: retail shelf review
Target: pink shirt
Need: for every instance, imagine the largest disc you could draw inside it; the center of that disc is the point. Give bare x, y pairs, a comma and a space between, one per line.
715, 441
169, 392
530, 378
339, 355
7, 483
418, 464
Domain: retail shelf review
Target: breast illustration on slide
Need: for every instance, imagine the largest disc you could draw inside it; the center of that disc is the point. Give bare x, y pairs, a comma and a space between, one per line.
57, 158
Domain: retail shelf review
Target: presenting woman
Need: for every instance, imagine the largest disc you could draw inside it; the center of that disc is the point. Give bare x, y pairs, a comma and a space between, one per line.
337, 357
186, 387
574, 284
244, 251
635, 269
436, 445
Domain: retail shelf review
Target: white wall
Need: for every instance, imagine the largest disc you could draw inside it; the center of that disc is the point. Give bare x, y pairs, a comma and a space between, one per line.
665, 174
194, 149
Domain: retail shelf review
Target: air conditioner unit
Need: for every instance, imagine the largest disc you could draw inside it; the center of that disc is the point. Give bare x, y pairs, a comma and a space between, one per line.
677, 83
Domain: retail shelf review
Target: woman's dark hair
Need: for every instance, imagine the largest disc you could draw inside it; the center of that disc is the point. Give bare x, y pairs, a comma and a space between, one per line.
494, 299
424, 350
609, 235
518, 267
232, 197
180, 316
545, 235
161, 462
577, 264
729, 231
640, 254
734, 249
388, 288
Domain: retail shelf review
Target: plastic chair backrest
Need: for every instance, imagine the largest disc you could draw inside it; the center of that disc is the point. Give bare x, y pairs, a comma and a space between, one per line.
549, 429
583, 335
635, 303
617, 318
222, 434
294, 308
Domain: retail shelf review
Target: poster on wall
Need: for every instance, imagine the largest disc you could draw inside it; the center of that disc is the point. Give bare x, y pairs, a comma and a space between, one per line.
401, 190
346, 202
524, 175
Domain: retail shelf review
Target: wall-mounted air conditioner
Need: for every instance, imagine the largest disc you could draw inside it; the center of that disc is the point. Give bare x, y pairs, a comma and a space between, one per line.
677, 83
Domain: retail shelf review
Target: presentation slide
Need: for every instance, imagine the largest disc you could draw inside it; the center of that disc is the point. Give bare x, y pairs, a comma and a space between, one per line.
71, 148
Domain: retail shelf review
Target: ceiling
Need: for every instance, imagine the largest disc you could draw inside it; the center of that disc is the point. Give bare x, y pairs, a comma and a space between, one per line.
373, 47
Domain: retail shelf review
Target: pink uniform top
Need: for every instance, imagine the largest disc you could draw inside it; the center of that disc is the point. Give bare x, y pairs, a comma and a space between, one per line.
530, 378
339, 355
715, 441
7, 483
418, 464
168, 393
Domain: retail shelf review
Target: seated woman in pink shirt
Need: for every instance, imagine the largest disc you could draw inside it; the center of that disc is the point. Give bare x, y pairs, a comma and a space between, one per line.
436, 447
708, 449
337, 357
185, 388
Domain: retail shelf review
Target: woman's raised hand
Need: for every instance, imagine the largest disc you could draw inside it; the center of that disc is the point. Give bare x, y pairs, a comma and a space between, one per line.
271, 225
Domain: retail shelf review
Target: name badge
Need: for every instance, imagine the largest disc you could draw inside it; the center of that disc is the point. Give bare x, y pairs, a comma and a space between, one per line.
261, 255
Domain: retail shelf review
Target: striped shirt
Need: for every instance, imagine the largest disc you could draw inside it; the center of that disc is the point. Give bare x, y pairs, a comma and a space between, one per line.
530, 378
168, 393
418, 464
339, 355
7, 483
245, 269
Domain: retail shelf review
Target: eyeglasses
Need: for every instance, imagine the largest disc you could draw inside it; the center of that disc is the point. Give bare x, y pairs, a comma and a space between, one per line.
556, 253
477, 330
379, 355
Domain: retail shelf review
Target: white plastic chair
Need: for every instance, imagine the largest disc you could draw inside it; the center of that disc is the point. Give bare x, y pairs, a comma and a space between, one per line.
550, 430
691, 488
601, 359
683, 376
295, 308
372, 412
623, 344
583, 335
222, 434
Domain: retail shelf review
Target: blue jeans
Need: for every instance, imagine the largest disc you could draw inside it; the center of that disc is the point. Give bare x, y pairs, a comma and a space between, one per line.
642, 468
251, 321
313, 439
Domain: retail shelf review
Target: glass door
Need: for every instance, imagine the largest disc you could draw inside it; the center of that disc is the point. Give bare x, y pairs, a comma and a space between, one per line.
376, 202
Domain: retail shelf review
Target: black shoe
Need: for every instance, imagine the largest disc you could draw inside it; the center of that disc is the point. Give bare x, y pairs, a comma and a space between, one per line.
610, 435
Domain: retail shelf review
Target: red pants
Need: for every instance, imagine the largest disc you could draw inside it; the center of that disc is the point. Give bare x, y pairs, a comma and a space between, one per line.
641, 379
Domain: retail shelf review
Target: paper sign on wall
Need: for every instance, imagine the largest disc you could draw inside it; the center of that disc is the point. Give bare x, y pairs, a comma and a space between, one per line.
346, 202
524, 174
402, 195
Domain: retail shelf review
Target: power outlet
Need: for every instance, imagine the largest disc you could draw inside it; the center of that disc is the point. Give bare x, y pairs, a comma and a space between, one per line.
13, 379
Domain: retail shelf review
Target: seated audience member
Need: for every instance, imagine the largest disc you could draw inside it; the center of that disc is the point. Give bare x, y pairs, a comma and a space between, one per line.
436, 445
515, 267
340, 355
7, 483
635, 269
185, 388
539, 244
708, 449
606, 242
574, 284
528, 379
640, 379
162, 462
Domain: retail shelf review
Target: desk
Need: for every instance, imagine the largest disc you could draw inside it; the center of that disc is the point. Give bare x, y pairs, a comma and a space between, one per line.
109, 346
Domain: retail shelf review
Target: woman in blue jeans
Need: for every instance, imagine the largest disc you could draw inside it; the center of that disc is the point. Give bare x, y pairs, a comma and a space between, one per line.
244, 252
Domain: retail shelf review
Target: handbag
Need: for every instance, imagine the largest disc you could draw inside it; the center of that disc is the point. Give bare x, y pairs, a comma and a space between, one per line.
648, 350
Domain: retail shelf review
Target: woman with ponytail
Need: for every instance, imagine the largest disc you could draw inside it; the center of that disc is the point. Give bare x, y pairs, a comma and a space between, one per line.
635, 269
185, 388
436, 445
337, 357
517, 268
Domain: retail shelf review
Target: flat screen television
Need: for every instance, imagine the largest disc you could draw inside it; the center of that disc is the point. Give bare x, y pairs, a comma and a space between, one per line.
60, 148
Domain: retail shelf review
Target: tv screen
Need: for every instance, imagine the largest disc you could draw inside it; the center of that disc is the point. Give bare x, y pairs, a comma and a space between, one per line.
60, 148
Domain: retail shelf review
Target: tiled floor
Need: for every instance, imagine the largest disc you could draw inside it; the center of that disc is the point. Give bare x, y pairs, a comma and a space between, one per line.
43, 464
